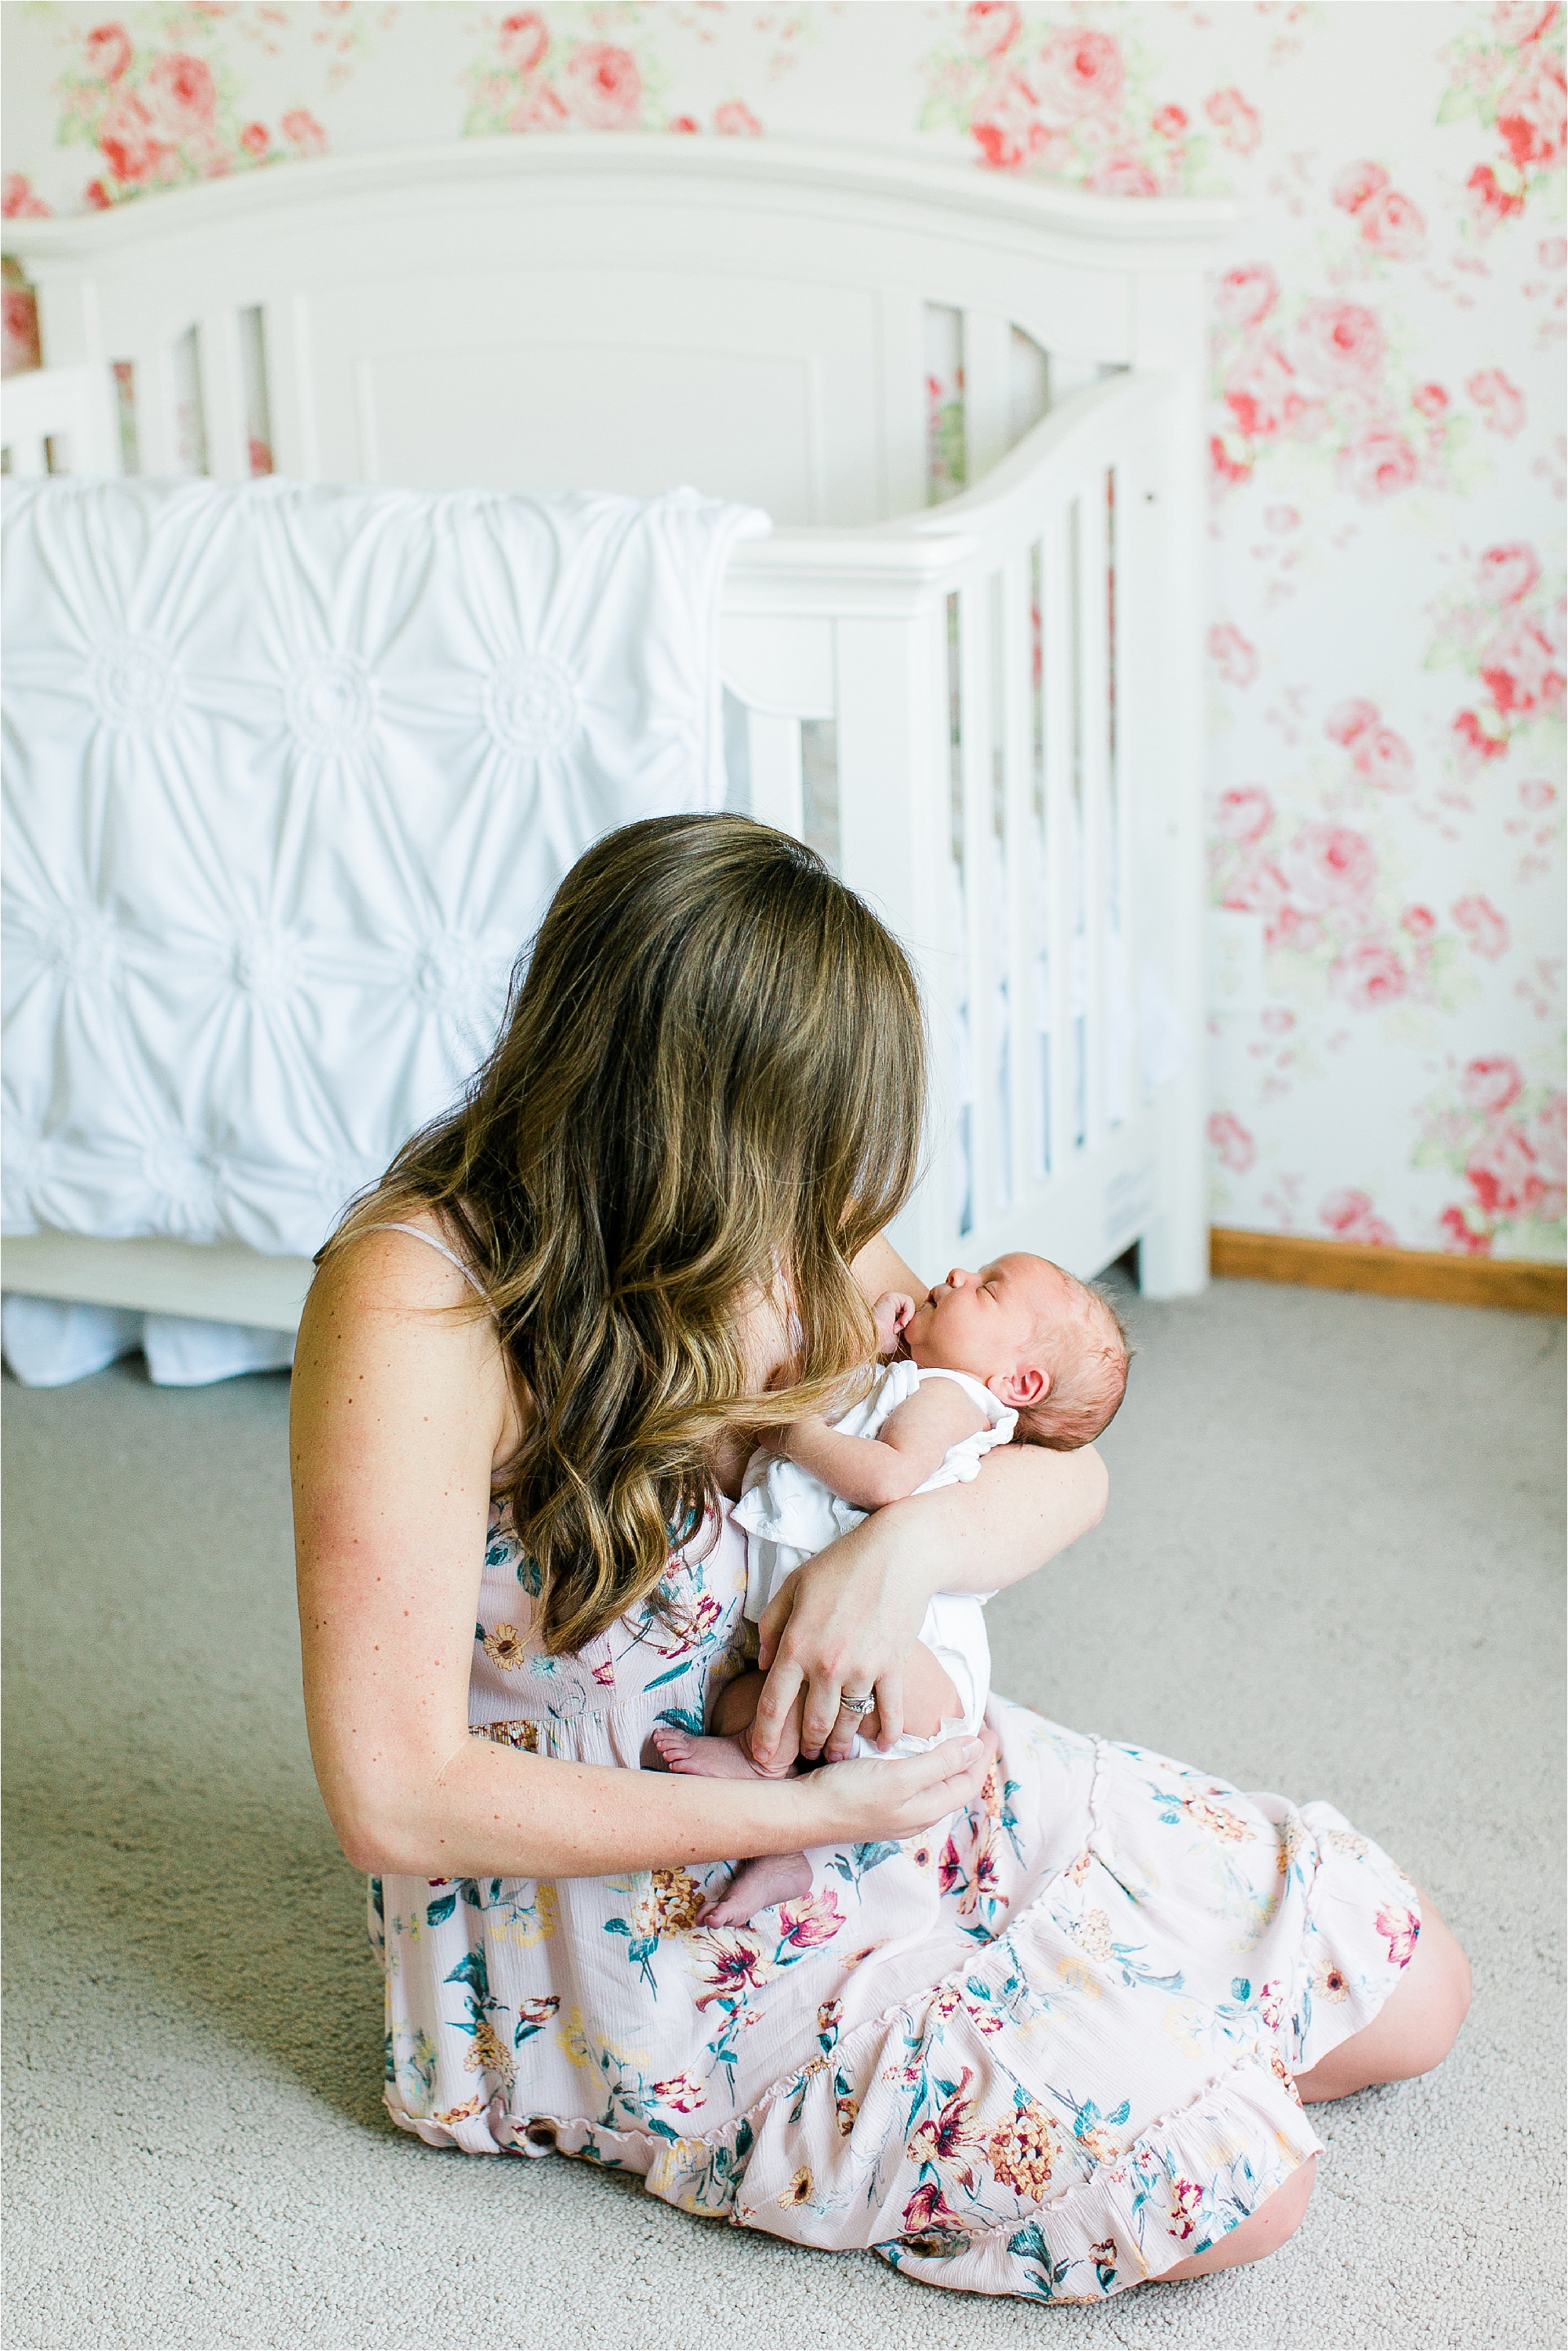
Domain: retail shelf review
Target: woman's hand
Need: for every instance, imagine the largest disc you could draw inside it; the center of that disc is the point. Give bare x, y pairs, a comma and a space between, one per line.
846, 1622
862, 1803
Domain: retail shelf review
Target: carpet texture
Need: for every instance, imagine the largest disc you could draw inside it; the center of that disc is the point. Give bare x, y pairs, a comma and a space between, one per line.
1331, 1566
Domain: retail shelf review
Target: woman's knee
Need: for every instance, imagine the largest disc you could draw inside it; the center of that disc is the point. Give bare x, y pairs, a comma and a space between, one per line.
1276, 2220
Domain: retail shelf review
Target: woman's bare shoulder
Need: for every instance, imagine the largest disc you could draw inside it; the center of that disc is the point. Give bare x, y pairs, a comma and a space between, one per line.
388, 1306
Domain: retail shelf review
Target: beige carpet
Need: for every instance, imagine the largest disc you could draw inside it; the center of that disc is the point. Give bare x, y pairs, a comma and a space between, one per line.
1332, 1566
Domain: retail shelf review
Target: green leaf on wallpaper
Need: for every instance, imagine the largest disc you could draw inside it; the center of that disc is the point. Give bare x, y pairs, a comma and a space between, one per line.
1455, 104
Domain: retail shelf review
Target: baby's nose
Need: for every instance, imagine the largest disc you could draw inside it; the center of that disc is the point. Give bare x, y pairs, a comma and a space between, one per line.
956, 1277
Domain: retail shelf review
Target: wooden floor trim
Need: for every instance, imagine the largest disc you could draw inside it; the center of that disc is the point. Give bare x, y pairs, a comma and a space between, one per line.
1525, 1284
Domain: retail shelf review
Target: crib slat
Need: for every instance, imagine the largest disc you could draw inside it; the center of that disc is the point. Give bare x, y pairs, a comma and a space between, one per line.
903, 364
988, 372
157, 405
222, 396
1017, 748
774, 745
1091, 605
1056, 581
286, 335
975, 762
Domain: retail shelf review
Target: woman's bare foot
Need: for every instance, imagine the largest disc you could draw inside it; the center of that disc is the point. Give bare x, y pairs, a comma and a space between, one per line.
757, 1886
706, 1758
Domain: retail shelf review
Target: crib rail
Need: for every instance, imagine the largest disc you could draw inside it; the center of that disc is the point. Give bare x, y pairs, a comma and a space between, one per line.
997, 700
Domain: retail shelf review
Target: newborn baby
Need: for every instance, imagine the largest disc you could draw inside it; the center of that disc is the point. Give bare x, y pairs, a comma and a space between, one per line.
1020, 1345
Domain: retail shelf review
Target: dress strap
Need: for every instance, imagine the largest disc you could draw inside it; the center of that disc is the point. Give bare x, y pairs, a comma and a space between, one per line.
416, 1233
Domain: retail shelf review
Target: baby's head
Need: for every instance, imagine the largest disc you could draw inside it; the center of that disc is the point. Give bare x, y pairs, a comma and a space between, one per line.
1039, 1339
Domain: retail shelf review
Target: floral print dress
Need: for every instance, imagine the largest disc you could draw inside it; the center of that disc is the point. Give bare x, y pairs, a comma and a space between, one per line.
1046, 2049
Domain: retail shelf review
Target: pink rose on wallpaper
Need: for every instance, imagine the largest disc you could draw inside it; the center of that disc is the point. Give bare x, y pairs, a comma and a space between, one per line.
1247, 294
1007, 125
1330, 865
1369, 977
1501, 403
1339, 344
1123, 176
1355, 183
106, 51
606, 86
1523, 671
1502, 1173
1346, 720
1381, 756
1489, 200
1377, 462
19, 200
1081, 73
19, 310
992, 26
1485, 928
1548, 1135
128, 142
1394, 226
1473, 746
1507, 572
303, 132
255, 139
1419, 922
1261, 393
1533, 113
523, 41
1430, 399
1535, 792
539, 109
1236, 122
1490, 1084
182, 94
1244, 813
1233, 657
735, 119
1224, 470
1518, 22
1233, 1145
1170, 122
1351, 1214
1462, 1238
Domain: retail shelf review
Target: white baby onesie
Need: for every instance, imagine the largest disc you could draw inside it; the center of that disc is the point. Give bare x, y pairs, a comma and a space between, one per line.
789, 1515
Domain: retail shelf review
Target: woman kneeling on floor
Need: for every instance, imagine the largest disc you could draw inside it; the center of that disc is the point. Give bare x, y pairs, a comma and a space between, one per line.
1043, 2014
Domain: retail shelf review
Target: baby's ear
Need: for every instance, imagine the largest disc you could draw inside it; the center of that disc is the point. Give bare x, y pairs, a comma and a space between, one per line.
1022, 1389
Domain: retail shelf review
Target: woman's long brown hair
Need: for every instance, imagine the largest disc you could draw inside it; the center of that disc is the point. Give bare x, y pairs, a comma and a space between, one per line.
706, 1095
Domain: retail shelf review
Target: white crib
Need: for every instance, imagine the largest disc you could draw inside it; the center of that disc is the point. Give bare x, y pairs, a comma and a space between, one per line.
984, 710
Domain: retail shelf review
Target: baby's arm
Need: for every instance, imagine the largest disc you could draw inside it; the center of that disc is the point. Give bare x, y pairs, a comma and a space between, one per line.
868, 1471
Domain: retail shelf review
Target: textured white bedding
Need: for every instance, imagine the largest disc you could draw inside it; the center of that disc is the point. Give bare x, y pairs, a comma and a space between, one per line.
289, 773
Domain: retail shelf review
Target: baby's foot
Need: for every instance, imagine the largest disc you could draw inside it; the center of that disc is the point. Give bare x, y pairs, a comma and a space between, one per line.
705, 1758
757, 1886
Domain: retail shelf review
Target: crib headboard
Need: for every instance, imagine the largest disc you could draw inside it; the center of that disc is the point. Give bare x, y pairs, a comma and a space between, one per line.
759, 317
982, 703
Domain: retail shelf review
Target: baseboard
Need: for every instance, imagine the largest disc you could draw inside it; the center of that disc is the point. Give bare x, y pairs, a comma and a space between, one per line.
1524, 1284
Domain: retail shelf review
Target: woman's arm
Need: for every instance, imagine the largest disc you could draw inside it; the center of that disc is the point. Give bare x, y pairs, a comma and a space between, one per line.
398, 1413
847, 1620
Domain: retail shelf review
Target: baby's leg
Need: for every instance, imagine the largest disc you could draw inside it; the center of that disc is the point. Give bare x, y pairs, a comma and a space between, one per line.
725, 1752
929, 1697
770, 1877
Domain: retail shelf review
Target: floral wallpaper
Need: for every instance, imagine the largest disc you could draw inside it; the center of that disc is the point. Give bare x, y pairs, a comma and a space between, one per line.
1386, 455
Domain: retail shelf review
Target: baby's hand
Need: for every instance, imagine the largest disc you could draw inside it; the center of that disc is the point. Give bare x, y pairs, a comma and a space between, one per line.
891, 1313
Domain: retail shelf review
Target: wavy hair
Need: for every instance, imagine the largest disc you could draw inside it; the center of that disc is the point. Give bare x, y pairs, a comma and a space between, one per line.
705, 1098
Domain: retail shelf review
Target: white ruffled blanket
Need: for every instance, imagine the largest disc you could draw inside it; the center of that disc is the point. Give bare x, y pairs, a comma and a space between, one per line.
291, 773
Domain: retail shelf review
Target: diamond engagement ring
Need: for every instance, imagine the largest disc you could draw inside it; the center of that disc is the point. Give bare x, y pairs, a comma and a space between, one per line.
848, 1704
